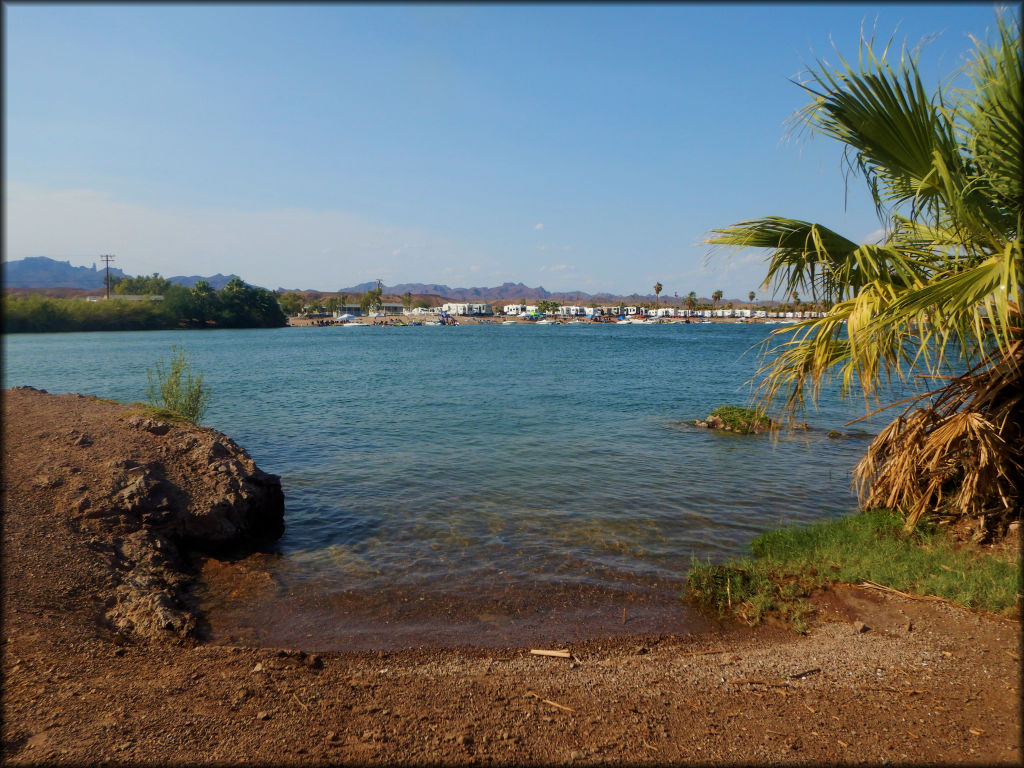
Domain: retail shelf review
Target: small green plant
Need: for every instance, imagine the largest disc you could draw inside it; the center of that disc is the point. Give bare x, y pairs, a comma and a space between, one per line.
743, 420
172, 387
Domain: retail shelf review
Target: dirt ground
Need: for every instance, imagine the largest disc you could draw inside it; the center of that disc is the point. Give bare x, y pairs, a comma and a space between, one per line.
923, 682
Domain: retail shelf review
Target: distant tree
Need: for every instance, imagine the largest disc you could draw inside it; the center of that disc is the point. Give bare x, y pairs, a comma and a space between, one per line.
205, 301
154, 285
716, 297
691, 300
372, 301
331, 304
547, 305
751, 296
291, 303
657, 292
407, 300
421, 303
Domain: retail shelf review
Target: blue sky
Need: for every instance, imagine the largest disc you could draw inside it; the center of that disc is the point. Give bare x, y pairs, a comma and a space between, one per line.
319, 146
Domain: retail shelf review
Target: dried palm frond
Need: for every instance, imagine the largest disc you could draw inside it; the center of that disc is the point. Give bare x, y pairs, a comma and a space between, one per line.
962, 453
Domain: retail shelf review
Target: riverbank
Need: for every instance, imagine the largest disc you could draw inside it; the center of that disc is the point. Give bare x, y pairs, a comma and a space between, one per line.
925, 682
305, 322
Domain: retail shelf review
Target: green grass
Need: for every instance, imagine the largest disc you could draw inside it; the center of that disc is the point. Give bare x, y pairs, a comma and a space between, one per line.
790, 563
743, 420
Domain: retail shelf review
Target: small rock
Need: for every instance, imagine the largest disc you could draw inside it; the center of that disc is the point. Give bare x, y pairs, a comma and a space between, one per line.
575, 755
258, 667
910, 626
262, 715
314, 661
464, 739
640, 650
860, 627
332, 736
82, 440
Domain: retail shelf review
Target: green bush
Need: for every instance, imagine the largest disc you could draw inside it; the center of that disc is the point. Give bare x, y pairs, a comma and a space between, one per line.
172, 387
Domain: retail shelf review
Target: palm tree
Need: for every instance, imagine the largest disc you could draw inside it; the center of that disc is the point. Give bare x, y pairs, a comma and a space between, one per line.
940, 290
691, 300
716, 297
657, 292
751, 296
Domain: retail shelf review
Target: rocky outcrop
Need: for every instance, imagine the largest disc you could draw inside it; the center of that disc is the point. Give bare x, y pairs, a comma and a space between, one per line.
141, 494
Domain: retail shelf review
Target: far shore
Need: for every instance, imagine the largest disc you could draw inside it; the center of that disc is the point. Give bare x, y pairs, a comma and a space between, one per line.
299, 321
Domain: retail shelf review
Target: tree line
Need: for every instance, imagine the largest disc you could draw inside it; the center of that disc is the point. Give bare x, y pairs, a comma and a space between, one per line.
236, 305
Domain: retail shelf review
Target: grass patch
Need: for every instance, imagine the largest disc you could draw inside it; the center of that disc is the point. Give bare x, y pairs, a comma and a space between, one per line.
744, 420
790, 563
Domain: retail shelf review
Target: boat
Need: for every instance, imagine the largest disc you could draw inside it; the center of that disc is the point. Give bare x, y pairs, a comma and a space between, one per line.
510, 322
544, 322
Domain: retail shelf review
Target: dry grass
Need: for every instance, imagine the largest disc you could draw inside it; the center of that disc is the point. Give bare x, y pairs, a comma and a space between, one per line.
958, 456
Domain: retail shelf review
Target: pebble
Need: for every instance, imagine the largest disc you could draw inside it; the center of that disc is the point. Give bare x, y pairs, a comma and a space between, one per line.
860, 626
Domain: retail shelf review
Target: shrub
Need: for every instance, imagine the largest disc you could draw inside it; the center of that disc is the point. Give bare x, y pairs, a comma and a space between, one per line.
172, 387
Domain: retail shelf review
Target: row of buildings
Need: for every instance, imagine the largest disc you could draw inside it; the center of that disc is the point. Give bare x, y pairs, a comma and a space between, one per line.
525, 310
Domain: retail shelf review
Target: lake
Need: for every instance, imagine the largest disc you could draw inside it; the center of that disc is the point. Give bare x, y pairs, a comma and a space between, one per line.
481, 484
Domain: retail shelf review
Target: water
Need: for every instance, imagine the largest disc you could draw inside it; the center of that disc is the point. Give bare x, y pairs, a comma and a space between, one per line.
479, 484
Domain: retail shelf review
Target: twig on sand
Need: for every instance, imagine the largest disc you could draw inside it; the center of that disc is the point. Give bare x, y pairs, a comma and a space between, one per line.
549, 701
890, 590
644, 742
799, 675
557, 654
299, 702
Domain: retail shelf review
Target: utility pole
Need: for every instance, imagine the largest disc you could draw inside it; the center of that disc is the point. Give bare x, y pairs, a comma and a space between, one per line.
107, 260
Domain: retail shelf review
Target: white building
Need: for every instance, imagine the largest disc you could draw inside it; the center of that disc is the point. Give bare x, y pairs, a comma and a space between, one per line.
467, 309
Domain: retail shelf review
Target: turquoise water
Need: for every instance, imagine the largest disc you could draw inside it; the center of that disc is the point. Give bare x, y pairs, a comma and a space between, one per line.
460, 471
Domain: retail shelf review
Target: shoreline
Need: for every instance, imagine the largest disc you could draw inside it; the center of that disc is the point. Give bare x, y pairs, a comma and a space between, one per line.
79, 688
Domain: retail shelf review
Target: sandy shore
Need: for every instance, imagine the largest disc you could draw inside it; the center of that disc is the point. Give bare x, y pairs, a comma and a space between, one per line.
926, 682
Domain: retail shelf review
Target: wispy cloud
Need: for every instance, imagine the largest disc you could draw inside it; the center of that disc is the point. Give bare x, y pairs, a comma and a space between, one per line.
538, 226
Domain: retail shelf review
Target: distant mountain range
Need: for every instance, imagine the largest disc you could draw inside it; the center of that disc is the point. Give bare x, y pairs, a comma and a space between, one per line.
42, 272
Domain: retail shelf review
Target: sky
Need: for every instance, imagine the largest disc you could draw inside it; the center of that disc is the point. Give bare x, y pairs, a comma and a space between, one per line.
574, 147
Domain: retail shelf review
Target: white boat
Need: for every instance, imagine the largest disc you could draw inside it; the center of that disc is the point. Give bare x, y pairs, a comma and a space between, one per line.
510, 322
544, 322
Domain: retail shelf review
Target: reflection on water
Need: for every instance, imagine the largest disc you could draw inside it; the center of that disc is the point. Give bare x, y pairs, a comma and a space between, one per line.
459, 484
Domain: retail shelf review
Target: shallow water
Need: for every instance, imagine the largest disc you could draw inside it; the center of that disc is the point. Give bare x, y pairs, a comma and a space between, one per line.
480, 483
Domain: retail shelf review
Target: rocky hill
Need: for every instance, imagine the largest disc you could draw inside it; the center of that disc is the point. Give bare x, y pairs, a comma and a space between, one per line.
43, 273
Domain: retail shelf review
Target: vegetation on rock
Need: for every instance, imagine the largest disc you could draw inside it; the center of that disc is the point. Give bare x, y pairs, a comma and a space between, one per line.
173, 387
736, 419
